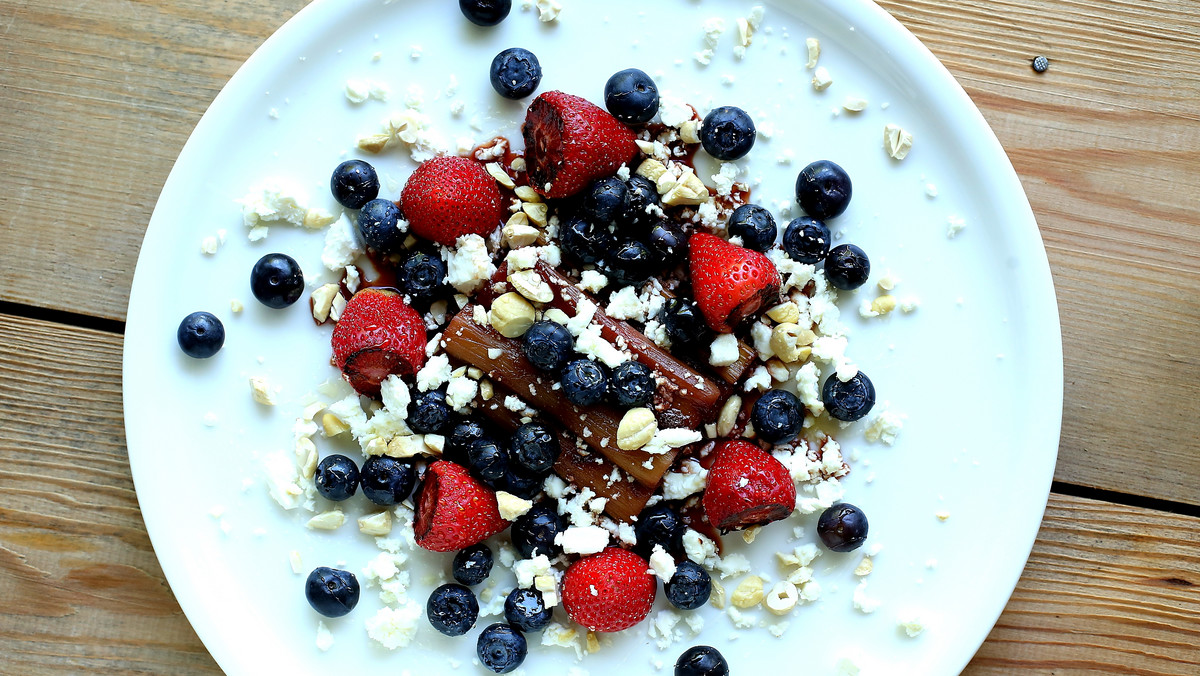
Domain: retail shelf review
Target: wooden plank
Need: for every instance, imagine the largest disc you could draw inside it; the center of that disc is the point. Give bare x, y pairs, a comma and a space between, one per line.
97, 100
1110, 588
100, 96
80, 587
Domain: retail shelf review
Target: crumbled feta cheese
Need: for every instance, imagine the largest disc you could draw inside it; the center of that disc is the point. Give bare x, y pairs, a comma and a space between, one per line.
582, 540
884, 426
723, 180
468, 264
724, 350
862, 602
760, 379
699, 548
673, 437
679, 485
674, 111
956, 225
341, 245
528, 569
460, 392
434, 374
324, 637
662, 563
395, 627
592, 280
277, 200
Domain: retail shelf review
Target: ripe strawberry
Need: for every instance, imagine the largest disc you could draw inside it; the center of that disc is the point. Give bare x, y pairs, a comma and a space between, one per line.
730, 282
454, 510
448, 197
570, 142
747, 487
609, 591
377, 335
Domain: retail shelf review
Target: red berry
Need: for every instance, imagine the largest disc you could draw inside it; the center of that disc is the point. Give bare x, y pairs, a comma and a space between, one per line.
730, 282
455, 510
448, 197
609, 591
378, 335
570, 142
747, 487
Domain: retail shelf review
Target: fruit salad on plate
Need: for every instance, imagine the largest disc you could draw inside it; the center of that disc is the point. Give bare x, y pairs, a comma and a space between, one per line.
567, 354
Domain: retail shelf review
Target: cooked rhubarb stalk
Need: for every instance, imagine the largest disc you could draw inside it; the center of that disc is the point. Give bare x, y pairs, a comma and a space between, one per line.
505, 364
687, 399
625, 498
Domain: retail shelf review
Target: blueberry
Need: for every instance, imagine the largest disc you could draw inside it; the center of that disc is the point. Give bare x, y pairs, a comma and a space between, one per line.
548, 345
684, 323
488, 461
643, 199
331, 592
690, 586
658, 525
585, 240
526, 610
847, 267
533, 532
851, 400
521, 483
755, 225
605, 200
777, 416
630, 264
515, 73
701, 660
462, 435
842, 527
806, 240
584, 382
336, 478
429, 413
472, 565
534, 449
354, 183
632, 385
422, 276
485, 12
277, 281
379, 223
631, 96
387, 481
727, 133
823, 190
501, 648
452, 609
200, 335
667, 243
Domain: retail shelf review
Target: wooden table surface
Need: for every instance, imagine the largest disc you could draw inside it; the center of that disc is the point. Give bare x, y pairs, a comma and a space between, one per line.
98, 96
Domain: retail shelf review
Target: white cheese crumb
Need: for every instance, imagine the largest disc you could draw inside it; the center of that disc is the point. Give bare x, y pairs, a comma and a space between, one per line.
862, 602
511, 506
955, 225
324, 637
662, 563
583, 540
724, 350
468, 264
394, 627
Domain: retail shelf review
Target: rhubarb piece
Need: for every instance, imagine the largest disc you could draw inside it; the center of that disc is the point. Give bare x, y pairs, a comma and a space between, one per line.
626, 499
685, 399
469, 342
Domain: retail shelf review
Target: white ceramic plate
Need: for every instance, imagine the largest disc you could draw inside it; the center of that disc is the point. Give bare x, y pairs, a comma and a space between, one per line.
977, 369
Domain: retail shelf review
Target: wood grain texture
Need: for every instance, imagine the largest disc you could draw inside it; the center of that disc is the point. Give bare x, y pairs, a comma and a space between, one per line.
80, 588
1109, 588
99, 97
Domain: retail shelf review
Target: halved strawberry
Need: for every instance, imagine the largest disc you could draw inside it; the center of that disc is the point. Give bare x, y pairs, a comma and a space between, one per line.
609, 591
730, 282
448, 197
377, 335
570, 142
747, 487
454, 510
